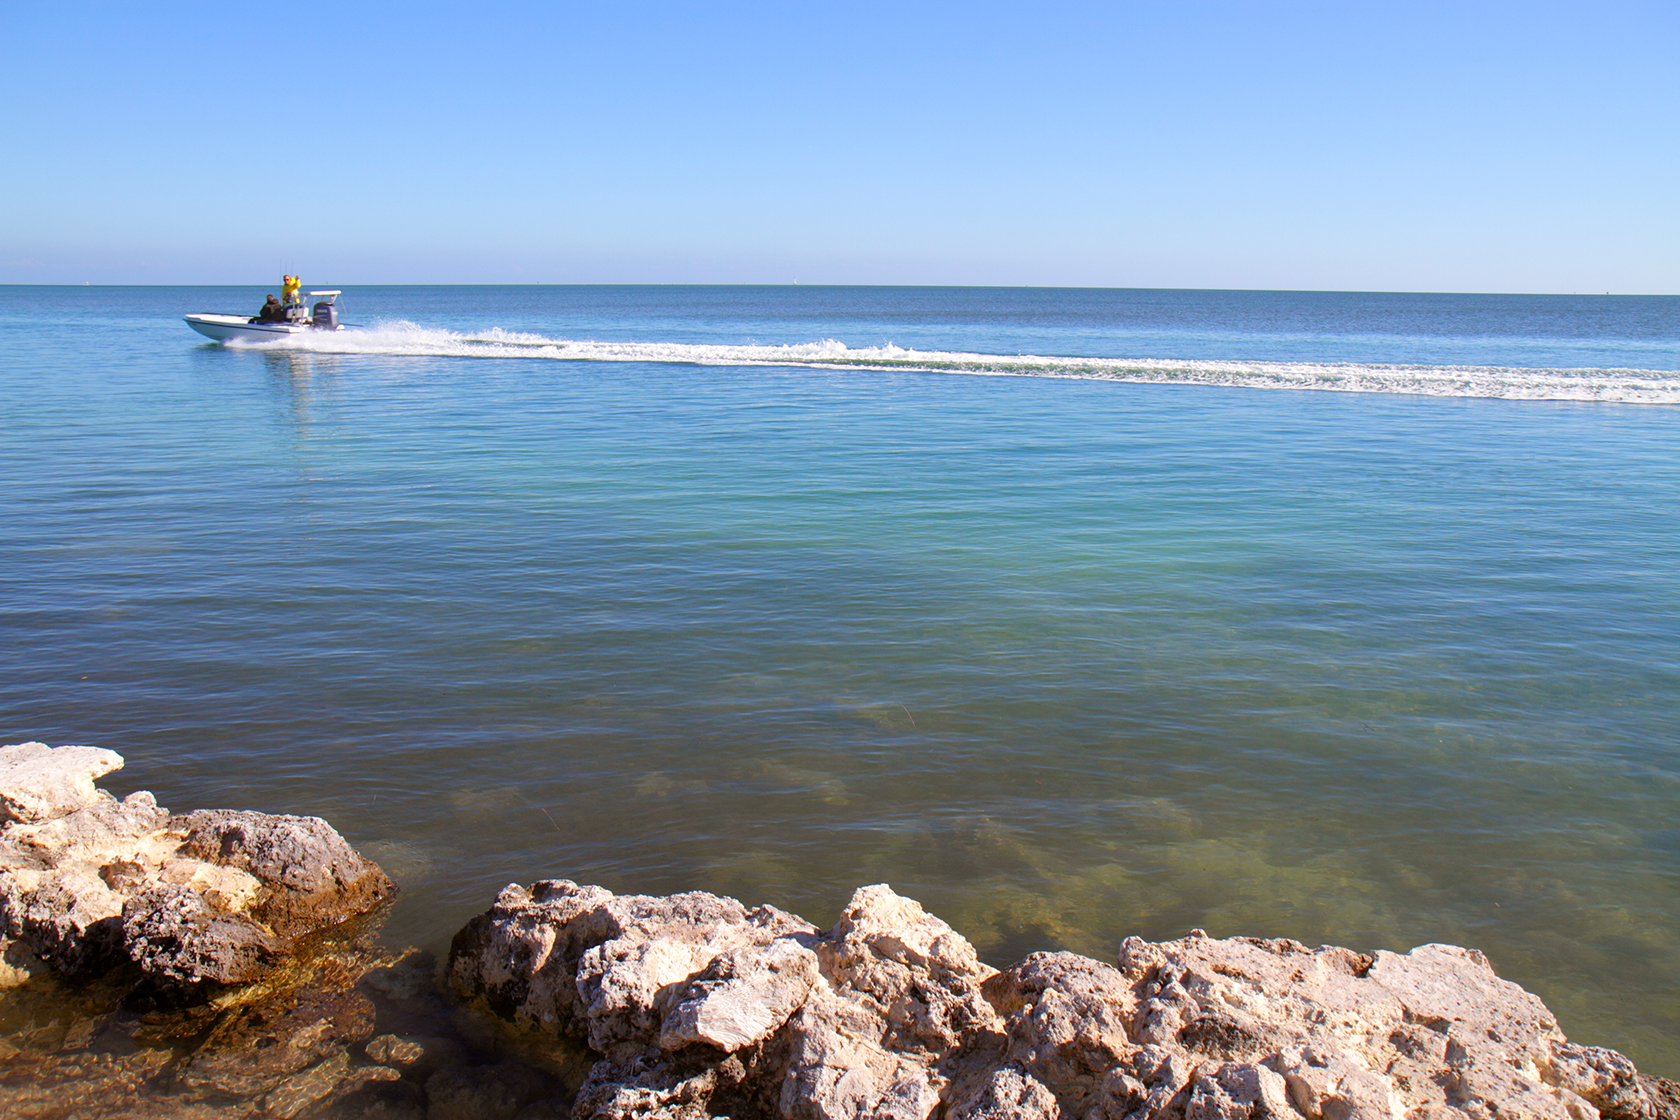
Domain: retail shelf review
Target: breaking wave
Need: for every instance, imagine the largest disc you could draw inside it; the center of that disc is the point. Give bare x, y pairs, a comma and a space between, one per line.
1630, 386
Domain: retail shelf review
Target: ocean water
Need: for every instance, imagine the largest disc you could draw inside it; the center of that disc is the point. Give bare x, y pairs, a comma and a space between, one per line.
1072, 614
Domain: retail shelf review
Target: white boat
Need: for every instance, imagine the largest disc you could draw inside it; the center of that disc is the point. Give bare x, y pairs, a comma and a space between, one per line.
300, 319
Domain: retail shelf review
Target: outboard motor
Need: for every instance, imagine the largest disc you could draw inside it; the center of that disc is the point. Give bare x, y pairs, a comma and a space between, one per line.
326, 316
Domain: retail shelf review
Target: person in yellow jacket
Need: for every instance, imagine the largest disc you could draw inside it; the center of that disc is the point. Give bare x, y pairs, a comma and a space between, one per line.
289, 290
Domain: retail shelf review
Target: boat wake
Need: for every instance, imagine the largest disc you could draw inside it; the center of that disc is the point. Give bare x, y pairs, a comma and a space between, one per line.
1630, 386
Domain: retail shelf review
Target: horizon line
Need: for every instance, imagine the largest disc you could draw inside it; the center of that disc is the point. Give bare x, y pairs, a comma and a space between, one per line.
796, 284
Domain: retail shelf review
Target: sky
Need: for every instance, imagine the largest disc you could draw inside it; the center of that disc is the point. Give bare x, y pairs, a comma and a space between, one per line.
1408, 147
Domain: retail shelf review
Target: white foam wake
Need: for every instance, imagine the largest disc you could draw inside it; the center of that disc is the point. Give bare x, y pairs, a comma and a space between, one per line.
1630, 386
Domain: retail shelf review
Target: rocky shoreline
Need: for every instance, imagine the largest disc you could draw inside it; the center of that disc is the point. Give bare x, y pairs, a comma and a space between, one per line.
225, 963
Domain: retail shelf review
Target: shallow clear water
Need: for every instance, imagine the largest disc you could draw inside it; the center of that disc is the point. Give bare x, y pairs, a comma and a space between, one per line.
1065, 657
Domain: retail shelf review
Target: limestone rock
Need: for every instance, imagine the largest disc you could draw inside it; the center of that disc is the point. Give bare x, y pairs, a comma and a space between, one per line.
840, 1066
88, 882
603, 966
310, 876
1331, 1084
1067, 1020
1010, 1093
623, 980
40, 783
71, 919
741, 997
677, 1087
56, 896
1236, 1091
901, 994
170, 931
694, 1081
923, 975
1664, 1094
1430, 1030
1605, 1078
99, 832
858, 1019
1149, 1081
699, 1007
521, 955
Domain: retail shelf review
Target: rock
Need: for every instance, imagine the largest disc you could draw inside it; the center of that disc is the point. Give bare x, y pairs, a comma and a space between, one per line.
661, 942
699, 1007
414, 1056
257, 1046
521, 956
69, 919
302, 1090
1361, 1036
285, 1046
55, 896
88, 882
19, 964
741, 997
40, 783
590, 963
103, 831
310, 876
924, 975
171, 932
1010, 1093
880, 1000
1149, 1081
1237, 1091
1067, 1021
839, 1066
1605, 1078
900, 994
1330, 1084
1663, 1094
91, 1086
390, 1050
668, 1087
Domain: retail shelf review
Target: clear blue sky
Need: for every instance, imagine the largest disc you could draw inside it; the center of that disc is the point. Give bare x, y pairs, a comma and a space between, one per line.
1460, 147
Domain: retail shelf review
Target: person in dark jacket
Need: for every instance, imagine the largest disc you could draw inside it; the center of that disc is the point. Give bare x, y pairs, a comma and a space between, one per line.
271, 311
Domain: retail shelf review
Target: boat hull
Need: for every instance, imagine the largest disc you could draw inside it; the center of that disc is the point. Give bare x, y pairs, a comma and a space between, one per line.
239, 328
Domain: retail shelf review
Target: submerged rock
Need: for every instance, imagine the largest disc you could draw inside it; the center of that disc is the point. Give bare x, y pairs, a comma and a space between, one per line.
89, 883
295, 1043
699, 1007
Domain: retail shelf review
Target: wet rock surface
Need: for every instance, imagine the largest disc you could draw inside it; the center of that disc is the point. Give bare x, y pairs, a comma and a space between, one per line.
694, 1006
341, 1028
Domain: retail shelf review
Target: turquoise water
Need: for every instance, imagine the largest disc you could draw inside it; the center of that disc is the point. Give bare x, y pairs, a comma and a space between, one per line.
1072, 614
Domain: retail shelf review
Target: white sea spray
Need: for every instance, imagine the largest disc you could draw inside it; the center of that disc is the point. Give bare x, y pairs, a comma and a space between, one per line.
1625, 386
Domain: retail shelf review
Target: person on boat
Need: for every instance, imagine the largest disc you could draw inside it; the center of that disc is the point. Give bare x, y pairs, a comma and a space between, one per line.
289, 290
271, 311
